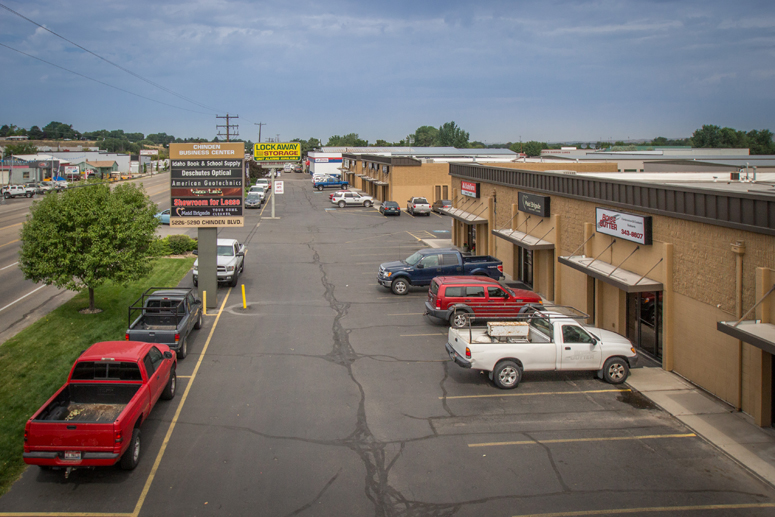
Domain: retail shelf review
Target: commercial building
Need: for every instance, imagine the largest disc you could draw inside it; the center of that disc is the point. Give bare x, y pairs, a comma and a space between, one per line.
672, 266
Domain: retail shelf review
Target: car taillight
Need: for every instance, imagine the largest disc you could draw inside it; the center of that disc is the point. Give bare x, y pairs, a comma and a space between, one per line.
177, 338
118, 439
25, 435
126, 336
500, 268
468, 353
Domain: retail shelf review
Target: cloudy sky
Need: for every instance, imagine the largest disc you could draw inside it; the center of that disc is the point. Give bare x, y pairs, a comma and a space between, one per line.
502, 70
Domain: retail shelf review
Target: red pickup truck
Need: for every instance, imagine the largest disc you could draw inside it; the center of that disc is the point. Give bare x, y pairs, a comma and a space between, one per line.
94, 419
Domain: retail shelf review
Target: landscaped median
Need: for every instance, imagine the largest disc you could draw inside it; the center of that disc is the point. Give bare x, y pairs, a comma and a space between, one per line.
36, 362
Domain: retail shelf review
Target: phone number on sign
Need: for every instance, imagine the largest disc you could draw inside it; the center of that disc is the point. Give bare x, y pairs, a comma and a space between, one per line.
634, 235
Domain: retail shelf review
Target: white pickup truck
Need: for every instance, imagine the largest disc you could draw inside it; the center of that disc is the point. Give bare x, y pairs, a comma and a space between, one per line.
542, 341
10, 191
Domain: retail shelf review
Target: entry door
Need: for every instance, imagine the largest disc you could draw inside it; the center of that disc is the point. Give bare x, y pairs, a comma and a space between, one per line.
525, 267
437, 193
644, 322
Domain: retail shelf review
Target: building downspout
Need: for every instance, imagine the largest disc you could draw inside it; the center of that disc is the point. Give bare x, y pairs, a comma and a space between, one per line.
738, 249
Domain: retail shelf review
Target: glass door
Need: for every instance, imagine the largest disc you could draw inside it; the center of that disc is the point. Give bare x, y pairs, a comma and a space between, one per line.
644, 322
525, 267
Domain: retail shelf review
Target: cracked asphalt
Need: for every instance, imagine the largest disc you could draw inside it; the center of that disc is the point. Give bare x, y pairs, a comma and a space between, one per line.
328, 395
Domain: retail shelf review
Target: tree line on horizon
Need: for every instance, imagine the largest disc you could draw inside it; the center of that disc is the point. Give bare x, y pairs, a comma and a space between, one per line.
449, 134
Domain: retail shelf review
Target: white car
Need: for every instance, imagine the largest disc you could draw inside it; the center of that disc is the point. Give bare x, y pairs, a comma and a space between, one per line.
263, 182
231, 262
10, 191
352, 199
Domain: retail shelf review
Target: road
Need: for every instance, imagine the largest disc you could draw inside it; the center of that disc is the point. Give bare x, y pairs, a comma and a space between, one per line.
22, 301
328, 395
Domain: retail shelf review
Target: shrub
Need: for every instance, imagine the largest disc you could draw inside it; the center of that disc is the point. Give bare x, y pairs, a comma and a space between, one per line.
180, 244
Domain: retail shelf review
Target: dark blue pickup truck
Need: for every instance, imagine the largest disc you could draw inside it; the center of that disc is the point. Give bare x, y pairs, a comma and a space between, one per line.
424, 265
330, 183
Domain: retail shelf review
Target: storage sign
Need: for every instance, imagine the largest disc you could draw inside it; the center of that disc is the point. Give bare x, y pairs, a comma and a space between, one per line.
469, 188
635, 228
276, 151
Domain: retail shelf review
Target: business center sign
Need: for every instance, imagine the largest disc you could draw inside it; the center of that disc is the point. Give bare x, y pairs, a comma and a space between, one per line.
630, 227
206, 184
277, 152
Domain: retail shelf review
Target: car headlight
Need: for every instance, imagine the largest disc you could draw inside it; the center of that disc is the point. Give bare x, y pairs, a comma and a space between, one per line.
229, 268
387, 274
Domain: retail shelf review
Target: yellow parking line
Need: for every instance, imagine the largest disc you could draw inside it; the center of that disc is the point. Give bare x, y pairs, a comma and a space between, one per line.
159, 456
653, 509
535, 394
7, 243
580, 440
413, 235
10, 226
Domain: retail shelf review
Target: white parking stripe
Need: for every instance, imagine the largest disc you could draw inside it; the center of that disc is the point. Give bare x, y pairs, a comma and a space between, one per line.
9, 265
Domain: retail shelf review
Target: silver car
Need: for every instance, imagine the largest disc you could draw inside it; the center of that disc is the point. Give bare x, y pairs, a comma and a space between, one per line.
418, 205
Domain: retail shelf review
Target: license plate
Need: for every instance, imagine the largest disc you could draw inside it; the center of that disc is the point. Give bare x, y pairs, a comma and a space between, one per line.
73, 455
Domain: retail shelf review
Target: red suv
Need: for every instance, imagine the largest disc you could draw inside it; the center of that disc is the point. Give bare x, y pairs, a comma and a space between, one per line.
454, 298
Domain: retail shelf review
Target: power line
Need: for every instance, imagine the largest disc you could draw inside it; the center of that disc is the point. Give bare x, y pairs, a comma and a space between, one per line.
101, 82
109, 61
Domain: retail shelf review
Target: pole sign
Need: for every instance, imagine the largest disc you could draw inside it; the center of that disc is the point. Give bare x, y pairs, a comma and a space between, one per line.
207, 184
630, 227
279, 187
469, 188
532, 204
277, 152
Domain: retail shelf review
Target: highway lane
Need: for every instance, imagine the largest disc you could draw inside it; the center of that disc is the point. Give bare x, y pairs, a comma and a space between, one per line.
23, 302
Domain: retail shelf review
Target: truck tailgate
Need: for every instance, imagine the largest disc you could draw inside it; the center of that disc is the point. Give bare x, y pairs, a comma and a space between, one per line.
59, 436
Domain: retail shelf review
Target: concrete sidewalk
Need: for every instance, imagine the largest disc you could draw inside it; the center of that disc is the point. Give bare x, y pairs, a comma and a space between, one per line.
715, 421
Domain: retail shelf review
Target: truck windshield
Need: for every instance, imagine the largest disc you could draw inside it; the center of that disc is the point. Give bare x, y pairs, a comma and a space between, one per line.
225, 251
413, 259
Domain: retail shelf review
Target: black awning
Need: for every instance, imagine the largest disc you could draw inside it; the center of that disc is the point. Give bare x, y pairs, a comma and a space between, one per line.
625, 280
524, 240
761, 335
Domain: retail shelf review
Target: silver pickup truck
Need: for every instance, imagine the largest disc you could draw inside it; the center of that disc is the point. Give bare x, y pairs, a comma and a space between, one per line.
165, 315
418, 205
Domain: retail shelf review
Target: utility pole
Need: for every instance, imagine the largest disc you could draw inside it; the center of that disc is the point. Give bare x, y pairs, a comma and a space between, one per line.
229, 131
259, 124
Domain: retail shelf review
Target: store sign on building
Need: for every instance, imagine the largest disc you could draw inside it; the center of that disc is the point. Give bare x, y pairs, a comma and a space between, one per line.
385, 169
206, 184
278, 152
533, 204
469, 188
635, 228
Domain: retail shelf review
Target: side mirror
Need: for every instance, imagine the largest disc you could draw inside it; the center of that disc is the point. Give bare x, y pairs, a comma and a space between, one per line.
240, 253
594, 341
168, 355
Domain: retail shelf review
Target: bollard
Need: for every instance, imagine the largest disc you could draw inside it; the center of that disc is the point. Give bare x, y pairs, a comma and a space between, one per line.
204, 303
244, 303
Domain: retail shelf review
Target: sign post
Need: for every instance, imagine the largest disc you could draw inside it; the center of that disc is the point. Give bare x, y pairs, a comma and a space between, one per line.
206, 192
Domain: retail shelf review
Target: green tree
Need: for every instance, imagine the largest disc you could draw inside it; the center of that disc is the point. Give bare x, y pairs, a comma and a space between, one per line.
20, 148
60, 131
36, 134
349, 140
450, 135
760, 142
87, 236
533, 148
476, 145
425, 136
707, 136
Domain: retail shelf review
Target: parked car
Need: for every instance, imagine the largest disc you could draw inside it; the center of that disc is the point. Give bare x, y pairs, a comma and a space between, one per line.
424, 265
330, 182
454, 298
165, 315
255, 198
331, 196
10, 191
95, 418
544, 341
390, 208
267, 184
231, 262
352, 199
441, 203
163, 216
418, 205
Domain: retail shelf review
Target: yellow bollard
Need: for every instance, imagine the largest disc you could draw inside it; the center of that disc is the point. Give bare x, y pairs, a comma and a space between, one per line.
204, 303
244, 303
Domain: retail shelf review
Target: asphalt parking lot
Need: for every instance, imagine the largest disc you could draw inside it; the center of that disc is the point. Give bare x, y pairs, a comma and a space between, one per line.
328, 395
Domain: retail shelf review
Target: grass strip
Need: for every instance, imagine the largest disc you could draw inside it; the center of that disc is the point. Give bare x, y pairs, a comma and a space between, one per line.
35, 362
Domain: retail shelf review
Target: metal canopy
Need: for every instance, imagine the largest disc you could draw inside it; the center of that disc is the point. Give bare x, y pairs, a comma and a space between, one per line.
381, 183
463, 216
369, 179
627, 281
754, 332
524, 240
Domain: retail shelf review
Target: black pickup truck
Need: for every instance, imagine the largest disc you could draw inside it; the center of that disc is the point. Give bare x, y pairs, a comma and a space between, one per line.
165, 315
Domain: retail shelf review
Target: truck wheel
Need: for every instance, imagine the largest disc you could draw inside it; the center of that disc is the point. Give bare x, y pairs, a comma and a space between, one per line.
183, 350
615, 370
320, 188
171, 387
131, 457
458, 319
235, 280
341, 204
367, 204
399, 286
507, 375
7, 195
198, 324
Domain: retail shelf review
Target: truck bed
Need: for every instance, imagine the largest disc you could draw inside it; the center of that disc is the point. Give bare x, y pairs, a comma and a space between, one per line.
101, 403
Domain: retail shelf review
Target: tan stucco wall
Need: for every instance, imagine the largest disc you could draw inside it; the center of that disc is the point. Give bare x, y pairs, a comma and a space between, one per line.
408, 182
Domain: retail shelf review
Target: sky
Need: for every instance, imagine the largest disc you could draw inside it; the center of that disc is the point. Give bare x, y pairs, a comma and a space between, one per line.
504, 71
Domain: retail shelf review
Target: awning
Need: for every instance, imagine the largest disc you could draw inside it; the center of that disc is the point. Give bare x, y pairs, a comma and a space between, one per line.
381, 183
360, 175
524, 240
625, 280
368, 178
754, 332
463, 216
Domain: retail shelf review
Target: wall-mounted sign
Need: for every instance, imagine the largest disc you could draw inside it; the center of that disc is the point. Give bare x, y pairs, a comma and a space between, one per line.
149, 152
277, 152
206, 184
385, 169
533, 204
635, 228
347, 163
469, 188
